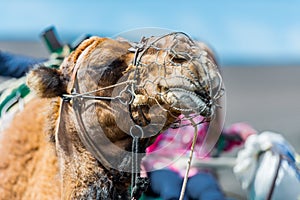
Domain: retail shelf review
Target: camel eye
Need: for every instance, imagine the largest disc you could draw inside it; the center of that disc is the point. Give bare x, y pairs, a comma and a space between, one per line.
176, 58
179, 60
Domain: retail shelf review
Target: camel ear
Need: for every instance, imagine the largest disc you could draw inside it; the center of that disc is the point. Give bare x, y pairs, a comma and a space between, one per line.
46, 82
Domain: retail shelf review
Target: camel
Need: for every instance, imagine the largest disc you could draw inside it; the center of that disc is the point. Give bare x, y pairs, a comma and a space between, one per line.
108, 101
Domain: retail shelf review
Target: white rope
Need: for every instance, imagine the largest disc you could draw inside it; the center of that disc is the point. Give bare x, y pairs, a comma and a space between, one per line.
186, 176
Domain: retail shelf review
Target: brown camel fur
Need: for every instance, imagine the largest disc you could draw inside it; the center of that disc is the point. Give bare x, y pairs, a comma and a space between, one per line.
28, 164
44, 154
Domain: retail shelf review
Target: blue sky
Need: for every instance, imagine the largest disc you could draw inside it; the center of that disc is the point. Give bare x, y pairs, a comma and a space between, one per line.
247, 32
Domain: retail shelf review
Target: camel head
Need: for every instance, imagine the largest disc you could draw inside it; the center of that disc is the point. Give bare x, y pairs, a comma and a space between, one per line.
108, 93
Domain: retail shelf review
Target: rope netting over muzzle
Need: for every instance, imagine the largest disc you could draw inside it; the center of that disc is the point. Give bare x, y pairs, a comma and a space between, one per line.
166, 77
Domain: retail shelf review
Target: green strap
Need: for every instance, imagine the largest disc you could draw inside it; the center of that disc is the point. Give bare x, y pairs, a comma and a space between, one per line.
13, 97
221, 144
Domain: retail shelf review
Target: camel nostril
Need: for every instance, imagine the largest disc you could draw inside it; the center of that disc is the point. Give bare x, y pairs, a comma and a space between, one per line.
205, 97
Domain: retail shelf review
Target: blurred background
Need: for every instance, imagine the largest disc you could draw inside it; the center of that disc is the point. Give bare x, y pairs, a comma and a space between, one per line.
241, 32
257, 45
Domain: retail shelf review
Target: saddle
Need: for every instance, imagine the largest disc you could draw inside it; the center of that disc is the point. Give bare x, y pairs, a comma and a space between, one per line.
14, 93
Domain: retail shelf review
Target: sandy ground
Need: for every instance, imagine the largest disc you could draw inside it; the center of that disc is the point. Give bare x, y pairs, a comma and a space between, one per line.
266, 97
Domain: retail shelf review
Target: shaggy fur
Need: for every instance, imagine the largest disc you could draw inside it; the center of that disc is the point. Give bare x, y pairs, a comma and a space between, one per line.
28, 164
46, 82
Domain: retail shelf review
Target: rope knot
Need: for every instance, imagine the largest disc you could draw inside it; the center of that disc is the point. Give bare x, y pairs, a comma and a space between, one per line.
141, 185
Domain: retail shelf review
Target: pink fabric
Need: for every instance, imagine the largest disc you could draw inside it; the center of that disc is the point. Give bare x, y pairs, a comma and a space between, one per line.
242, 129
174, 144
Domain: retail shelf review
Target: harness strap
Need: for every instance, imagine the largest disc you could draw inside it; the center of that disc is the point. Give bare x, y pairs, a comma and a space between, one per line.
138, 184
270, 193
92, 42
18, 93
